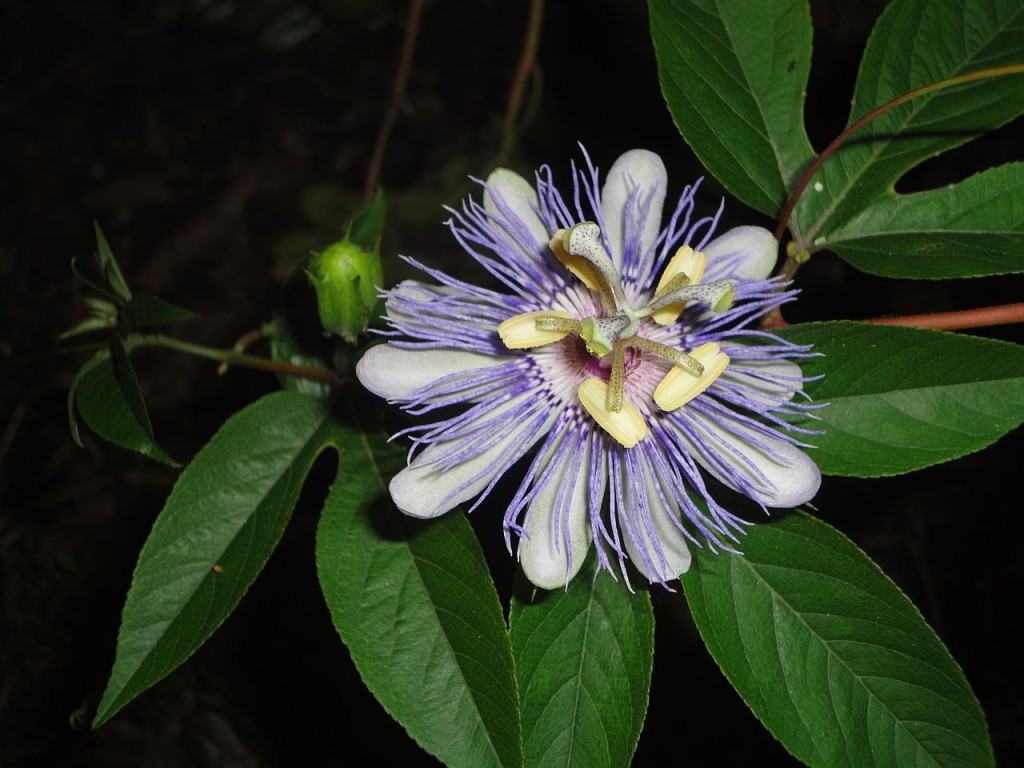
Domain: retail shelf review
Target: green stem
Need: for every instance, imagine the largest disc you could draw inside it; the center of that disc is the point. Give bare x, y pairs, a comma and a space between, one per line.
830, 150
230, 357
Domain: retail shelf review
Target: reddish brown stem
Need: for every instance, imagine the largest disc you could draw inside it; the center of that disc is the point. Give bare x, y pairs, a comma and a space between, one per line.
412, 26
527, 64
966, 318
774, 320
839, 140
797, 255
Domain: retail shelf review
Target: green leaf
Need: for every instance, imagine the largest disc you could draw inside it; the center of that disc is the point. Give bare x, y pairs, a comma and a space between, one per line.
108, 267
106, 393
285, 348
900, 399
73, 425
416, 606
146, 309
583, 659
102, 315
296, 335
101, 308
734, 76
916, 43
969, 229
87, 326
89, 283
368, 223
830, 655
221, 522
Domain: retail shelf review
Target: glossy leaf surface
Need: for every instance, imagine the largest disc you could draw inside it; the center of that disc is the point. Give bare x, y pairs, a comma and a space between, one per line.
107, 395
830, 655
900, 399
583, 657
415, 604
734, 76
914, 44
215, 533
970, 229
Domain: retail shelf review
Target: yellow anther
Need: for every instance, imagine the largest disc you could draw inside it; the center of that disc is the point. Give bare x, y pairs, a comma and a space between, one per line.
680, 386
521, 332
627, 426
575, 264
686, 262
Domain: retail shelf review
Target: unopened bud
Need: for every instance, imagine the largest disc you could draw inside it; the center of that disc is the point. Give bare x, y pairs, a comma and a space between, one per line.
346, 279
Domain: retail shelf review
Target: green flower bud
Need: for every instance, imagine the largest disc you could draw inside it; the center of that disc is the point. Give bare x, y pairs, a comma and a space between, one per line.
346, 279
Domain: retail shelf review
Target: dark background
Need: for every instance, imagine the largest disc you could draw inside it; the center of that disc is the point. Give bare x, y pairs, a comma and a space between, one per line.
216, 142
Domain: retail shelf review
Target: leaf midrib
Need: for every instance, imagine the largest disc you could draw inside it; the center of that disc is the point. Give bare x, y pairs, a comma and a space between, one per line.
579, 671
776, 596
938, 389
934, 232
116, 702
248, 519
881, 144
415, 567
767, 193
756, 96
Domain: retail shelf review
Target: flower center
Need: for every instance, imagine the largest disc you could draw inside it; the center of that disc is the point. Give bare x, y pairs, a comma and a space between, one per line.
601, 367
615, 332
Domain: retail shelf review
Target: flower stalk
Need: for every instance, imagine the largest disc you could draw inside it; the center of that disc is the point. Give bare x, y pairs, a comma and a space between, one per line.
230, 357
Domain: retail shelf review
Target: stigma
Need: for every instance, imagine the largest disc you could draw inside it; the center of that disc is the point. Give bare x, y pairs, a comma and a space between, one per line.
618, 328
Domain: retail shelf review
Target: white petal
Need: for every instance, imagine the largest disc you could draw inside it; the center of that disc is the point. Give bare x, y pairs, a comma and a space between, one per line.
784, 387
544, 556
416, 291
422, 490
789, 480
519, 201
641, 173
665, 523
741, 253
395, 373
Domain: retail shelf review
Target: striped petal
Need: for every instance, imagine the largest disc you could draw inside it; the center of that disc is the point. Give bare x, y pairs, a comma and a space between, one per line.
742, 253
446, 315
780, 379
423, 489
557, 525
510, 197
667, 555
775, 473
631, 204
396, 373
